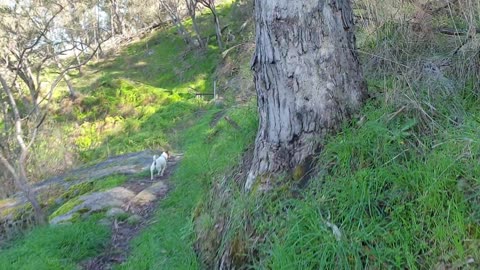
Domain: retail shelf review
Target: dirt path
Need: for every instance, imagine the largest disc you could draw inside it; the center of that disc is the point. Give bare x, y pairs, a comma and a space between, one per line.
123, 231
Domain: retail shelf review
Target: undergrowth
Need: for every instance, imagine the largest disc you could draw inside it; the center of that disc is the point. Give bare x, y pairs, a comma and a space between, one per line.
143, 98
395, 197
398, 186
400, 196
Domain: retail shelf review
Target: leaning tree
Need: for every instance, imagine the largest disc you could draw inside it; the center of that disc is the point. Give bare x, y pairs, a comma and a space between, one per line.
308, 80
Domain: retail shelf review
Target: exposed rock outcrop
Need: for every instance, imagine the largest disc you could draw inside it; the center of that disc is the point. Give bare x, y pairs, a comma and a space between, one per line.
98, 201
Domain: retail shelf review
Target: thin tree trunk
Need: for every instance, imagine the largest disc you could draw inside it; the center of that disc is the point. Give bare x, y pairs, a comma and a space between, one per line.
6, 122
308, 80
78, 62
173, 13
218, 30
97, 34
112, 20
192, 10
197, 32
116, 19
71, 90
20, 175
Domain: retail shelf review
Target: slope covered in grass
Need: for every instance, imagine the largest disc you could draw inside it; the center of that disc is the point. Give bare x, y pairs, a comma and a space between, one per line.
210, 149
397, 187
141, 98
396, 198
60, 247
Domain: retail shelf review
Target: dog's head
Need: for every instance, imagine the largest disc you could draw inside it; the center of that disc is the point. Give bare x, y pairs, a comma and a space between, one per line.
166, 155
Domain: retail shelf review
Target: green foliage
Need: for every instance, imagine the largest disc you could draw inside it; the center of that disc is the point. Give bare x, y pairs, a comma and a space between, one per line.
140, 96
58, 247
137, 101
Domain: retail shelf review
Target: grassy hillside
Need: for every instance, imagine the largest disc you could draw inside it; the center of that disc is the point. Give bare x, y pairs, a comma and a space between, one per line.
397, 187
141, 98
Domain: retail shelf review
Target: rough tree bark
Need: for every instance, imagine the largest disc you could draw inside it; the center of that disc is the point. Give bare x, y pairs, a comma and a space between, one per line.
308, 80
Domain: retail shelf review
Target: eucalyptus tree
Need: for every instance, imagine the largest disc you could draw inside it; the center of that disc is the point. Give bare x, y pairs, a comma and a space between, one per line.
308, 80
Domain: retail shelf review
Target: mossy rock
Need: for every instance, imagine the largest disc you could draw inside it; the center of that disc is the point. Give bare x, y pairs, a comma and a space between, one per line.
16, 219
65, 208
298, 172
78, 189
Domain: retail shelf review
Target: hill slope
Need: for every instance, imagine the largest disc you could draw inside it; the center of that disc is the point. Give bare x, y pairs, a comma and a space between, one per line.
398, 187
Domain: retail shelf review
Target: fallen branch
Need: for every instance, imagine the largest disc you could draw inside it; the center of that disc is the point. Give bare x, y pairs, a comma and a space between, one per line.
455, 32
231, 122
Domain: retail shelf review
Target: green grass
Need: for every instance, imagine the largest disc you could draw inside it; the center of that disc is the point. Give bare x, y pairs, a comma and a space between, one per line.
59, 247
141, 99
133, 101
209, 151
395, 206
400, 199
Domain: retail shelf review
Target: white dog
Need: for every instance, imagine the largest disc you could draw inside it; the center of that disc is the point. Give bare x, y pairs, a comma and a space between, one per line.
160, 164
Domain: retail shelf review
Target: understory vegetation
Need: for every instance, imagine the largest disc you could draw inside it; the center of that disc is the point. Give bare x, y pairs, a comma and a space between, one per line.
398, 187
143, 97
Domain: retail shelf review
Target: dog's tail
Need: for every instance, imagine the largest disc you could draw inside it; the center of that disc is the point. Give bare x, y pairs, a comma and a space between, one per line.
154, 157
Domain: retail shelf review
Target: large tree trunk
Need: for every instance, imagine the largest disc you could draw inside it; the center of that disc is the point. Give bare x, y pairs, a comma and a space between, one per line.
116, 21
308, 80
